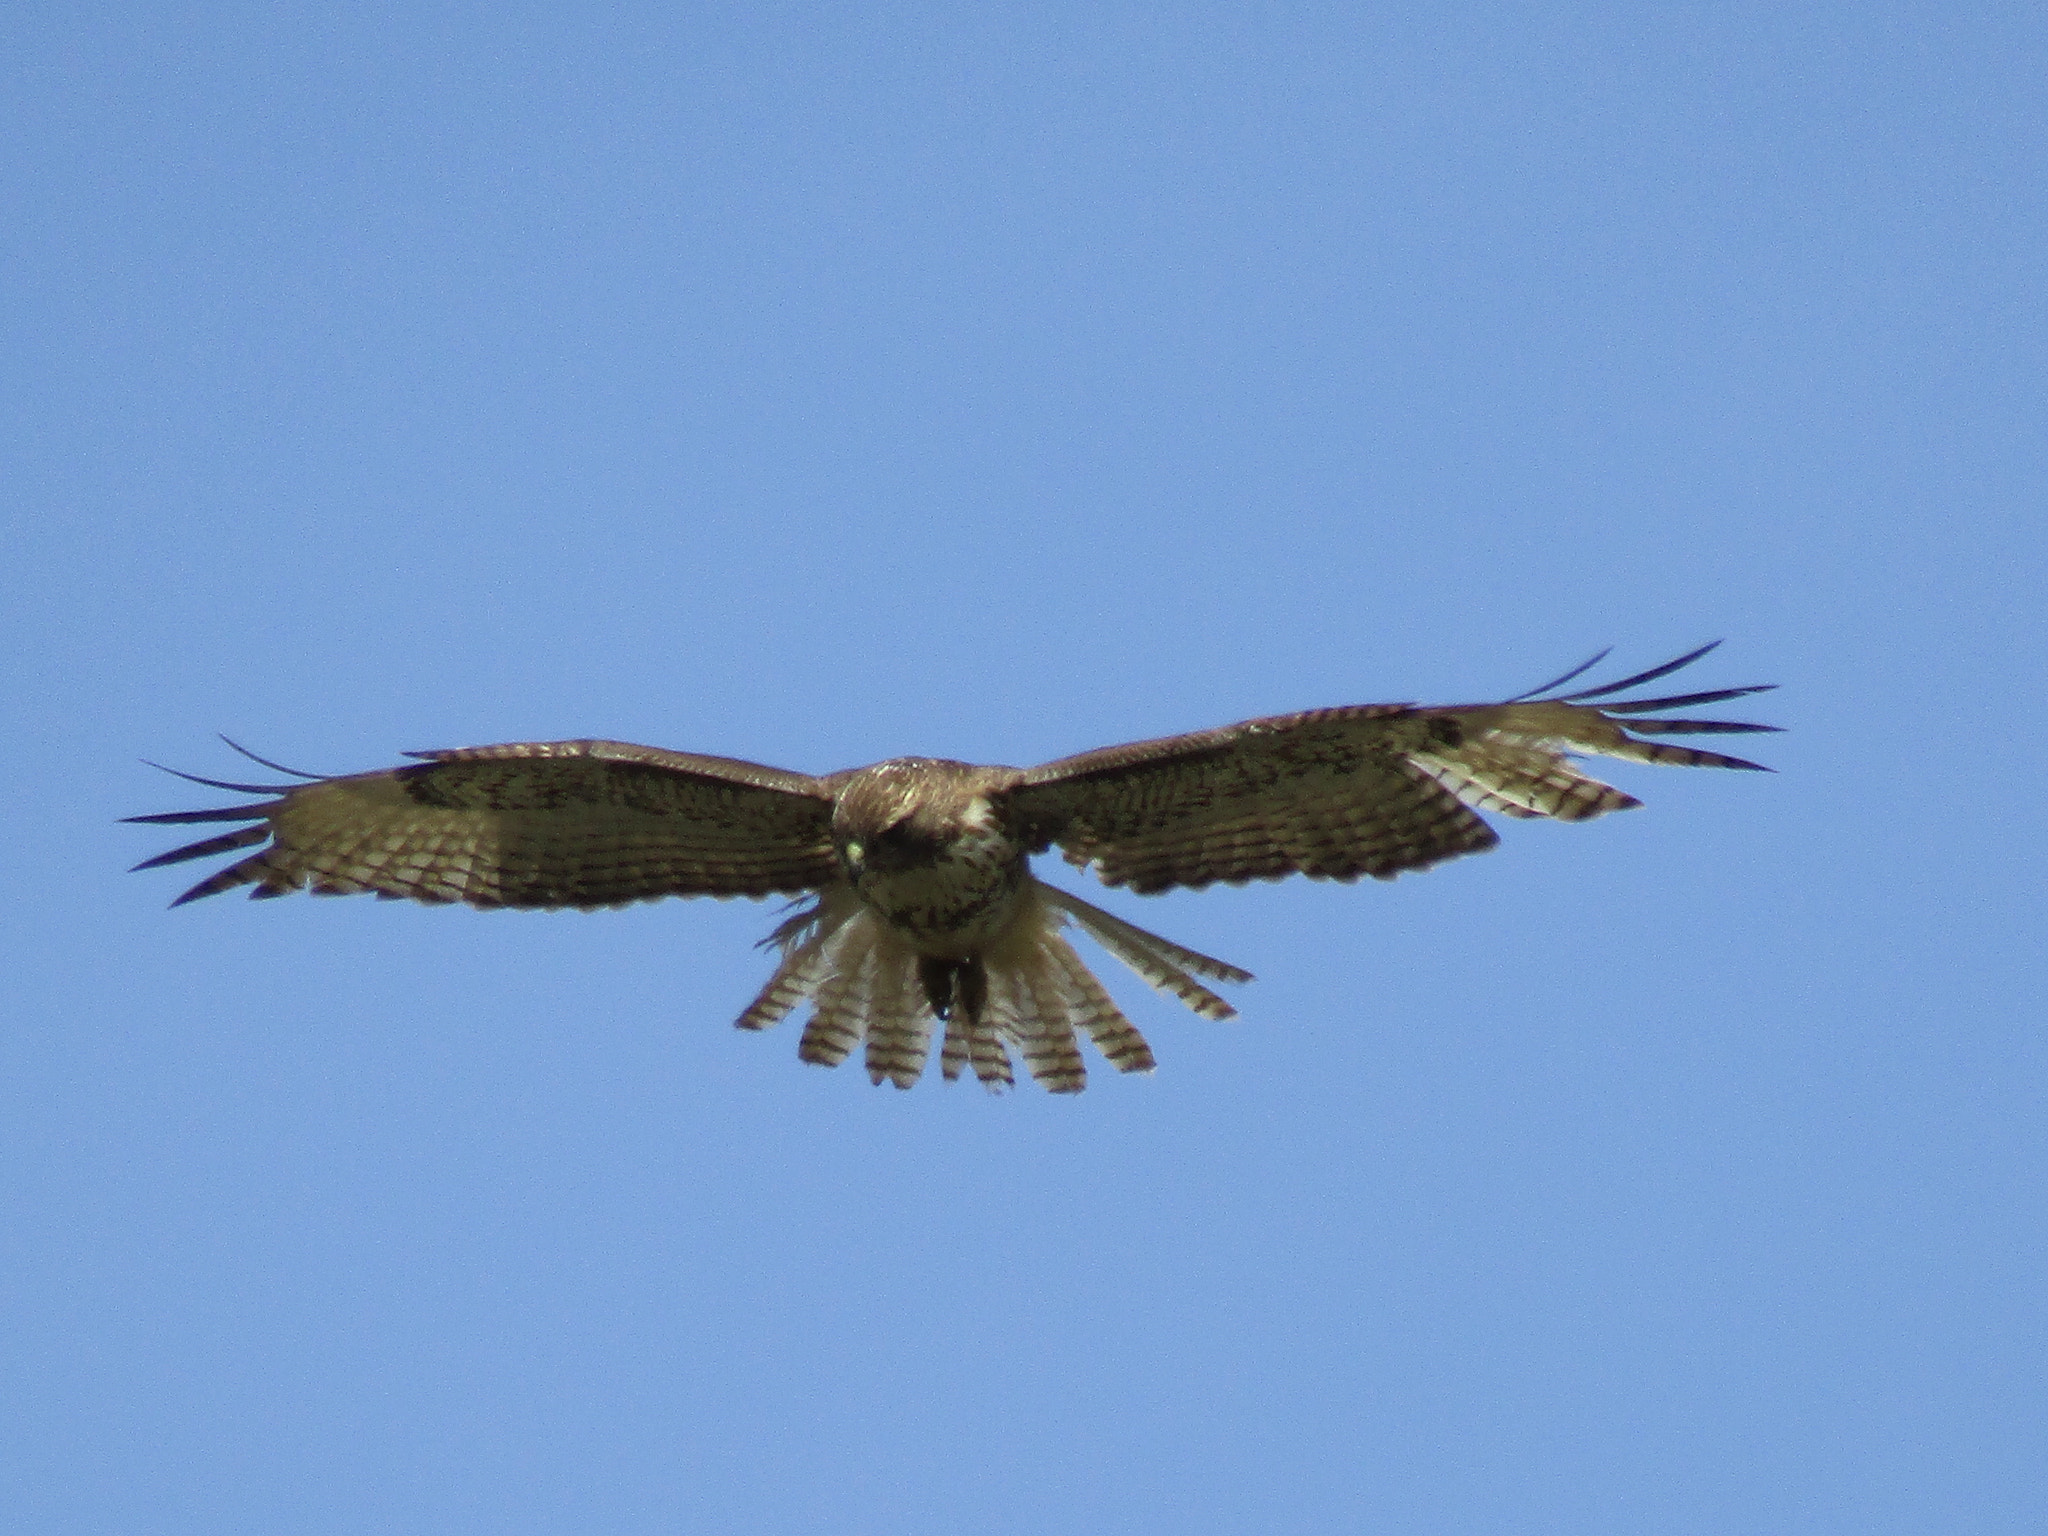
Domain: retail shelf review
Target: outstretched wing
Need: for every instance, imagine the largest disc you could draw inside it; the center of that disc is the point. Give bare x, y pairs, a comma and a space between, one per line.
1370, 789
529, 824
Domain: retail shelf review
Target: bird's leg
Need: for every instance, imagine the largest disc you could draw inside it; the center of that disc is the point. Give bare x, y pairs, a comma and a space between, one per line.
954, 983
973, 985
936, 973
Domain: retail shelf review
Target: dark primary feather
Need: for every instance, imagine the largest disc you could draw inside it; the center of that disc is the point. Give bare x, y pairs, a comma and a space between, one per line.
297, 773
204, 849
1688, 701
1699, 727
1581, 669
240, 789
218, 813
1638, 680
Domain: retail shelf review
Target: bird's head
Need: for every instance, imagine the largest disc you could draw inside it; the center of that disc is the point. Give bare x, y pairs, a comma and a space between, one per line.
901, 845
902, 814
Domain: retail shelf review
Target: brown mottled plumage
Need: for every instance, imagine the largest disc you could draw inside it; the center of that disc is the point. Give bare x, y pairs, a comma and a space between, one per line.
925, 911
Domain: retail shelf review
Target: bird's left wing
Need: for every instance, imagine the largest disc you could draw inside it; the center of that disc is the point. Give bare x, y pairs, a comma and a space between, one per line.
528, 824
1367, 789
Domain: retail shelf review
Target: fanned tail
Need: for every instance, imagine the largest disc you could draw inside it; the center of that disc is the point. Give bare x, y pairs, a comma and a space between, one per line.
1034, 996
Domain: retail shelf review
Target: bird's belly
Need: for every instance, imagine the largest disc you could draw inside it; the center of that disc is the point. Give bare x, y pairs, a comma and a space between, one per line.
953, 908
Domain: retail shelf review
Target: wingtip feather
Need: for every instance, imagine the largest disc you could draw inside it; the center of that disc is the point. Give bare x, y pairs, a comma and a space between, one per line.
297, 773
239, 789
1640, 678
207, 847
219, 813
1558, 682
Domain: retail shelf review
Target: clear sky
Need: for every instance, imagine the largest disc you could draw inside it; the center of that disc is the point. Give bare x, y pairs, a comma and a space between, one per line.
817, 384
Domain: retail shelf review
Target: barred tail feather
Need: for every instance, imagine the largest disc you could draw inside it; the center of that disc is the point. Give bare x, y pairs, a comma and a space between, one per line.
1032, 1010
975, 1041
1162, 963
802, 940
1113, 1034
990, 1054
953, 1047
899, 1022
841, 1011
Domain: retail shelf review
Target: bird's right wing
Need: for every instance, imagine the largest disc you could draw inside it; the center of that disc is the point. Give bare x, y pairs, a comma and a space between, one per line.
1364, 789
528, 824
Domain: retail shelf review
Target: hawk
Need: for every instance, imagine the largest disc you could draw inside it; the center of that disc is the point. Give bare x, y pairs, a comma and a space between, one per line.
920, 910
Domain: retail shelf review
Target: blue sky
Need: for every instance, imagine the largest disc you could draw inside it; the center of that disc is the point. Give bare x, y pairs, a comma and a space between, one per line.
817, 386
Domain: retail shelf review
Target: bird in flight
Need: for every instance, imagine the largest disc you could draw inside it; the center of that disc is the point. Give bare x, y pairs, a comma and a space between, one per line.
921, 912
